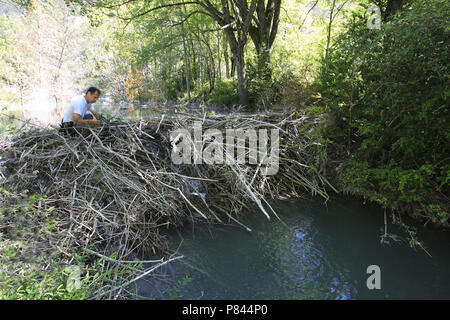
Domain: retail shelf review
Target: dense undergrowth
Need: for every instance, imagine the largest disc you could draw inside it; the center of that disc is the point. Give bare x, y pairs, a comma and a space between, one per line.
385, 92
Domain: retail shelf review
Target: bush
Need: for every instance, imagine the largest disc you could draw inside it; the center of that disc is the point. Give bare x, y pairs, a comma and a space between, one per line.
171, 88
262, 89
386, 95
283, 87
225, 92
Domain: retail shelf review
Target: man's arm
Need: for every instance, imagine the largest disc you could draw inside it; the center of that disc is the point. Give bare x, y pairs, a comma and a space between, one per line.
77, 120
95, 113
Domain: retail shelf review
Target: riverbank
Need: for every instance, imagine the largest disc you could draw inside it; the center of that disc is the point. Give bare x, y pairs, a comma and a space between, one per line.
97, 201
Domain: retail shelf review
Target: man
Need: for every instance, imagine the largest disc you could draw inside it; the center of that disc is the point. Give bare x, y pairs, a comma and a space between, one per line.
76, 113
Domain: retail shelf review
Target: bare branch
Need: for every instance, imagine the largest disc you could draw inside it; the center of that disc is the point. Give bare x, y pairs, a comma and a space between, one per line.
160, 7
310, 9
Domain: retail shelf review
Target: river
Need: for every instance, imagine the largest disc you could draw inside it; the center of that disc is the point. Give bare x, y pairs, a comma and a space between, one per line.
316, 251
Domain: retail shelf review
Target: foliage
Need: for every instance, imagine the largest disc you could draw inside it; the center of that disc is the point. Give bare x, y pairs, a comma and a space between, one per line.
175, 292
225, 92
386, 93
9, 122
40, 285
260, 85
35, 263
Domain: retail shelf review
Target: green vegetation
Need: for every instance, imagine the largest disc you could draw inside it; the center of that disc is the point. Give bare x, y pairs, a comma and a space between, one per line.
225, 92
10, 121
175, 292
173, 52
385, 93
37, 264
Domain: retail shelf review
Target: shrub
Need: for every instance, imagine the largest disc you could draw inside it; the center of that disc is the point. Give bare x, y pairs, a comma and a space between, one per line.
225, 92
386, 95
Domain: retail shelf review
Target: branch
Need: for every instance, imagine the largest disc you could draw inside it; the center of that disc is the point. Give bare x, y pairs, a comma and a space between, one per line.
218, 16
161, 7
226, 11
248, 18
268, 14
189, 15
236, 13
114, 5
339, 9
314, 5
275, 23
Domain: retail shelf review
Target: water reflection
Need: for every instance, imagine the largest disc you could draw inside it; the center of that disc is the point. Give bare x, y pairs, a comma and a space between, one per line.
300, 263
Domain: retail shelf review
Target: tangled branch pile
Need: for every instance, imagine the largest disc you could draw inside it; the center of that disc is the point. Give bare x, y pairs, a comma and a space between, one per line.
113, 190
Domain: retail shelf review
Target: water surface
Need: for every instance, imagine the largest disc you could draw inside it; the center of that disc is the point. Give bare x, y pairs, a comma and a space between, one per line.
316, 252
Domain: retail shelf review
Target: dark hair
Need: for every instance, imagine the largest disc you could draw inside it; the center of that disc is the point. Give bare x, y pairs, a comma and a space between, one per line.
93, 90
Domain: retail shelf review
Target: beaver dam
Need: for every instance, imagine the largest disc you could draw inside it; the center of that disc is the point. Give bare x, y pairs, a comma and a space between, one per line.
110, 193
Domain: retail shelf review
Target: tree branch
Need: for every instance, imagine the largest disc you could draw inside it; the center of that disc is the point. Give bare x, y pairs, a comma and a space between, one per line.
310, 9
248, 18
160, 7
275, 23
189, 15
114, 5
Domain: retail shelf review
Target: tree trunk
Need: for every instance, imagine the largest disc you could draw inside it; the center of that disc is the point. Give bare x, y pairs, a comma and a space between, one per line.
242, 77
263, 35
233, 66
264, 71
330, 22
219, 71
211, 67
186, 60
225, 55
237, 50
156, 82
200, 62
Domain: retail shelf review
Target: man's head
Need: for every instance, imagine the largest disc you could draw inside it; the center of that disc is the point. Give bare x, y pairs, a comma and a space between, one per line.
92, 95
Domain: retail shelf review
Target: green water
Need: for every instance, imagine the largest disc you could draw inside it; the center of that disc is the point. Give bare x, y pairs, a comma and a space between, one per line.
317, 252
